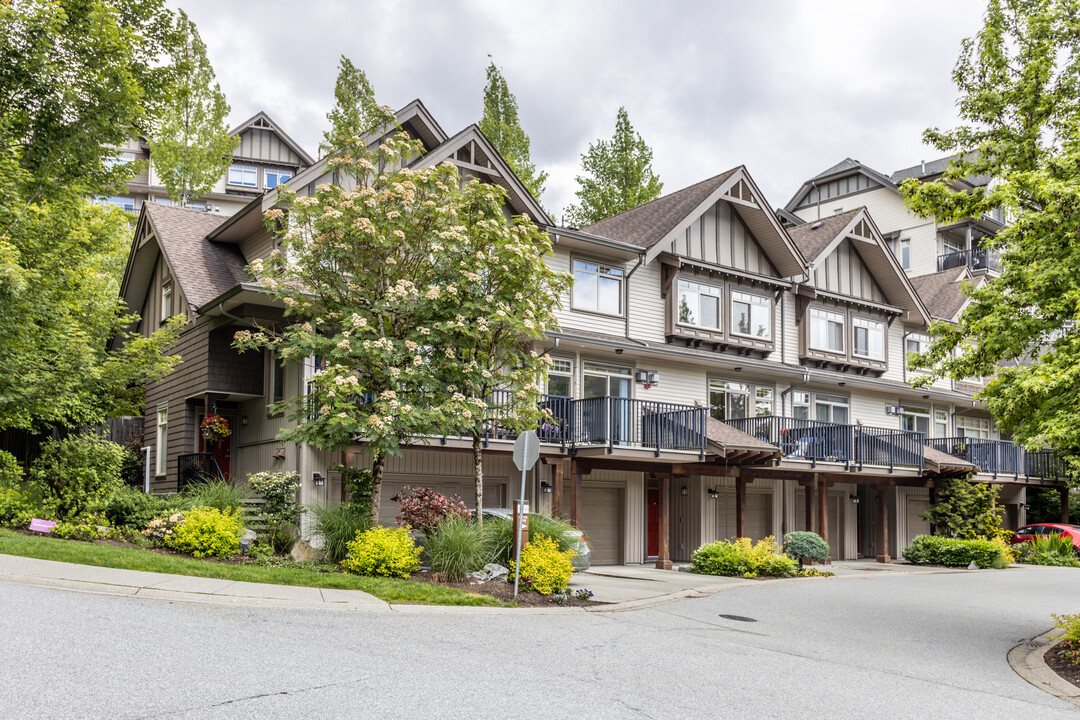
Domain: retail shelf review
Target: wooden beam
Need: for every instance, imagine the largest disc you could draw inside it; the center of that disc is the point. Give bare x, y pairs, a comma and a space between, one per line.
663, 555
883, 524
575, 494
740, 507
556, 489
588, 464
811, 495
823, 512
1064, 505
706, 469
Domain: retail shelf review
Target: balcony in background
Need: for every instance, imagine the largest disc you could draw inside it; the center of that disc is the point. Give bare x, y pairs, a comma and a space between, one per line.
979, 260
1003, 457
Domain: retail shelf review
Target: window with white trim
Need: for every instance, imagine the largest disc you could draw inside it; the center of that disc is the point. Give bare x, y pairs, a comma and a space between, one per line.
751, 315
915, 419
561, 377
830, 408
902, 250
166, 300
277, 378
826, 330
916, 343
162, 437
273, 177
973, 427
736, 400
597, 287
941, 424
699, 304
244, 175
869, 338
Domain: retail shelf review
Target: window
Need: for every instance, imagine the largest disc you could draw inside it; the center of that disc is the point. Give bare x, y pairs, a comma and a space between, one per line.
869, 338
941, 424
826, 330
831, 408
124, 203
915, 419
950, 245
277, 379
734, 400
916, 343
166, 300
162, 436
273, 178
763, 401
244, 175
801, 405
751, 315
973, 427
597, 287
560, 377
699, 304
902, 250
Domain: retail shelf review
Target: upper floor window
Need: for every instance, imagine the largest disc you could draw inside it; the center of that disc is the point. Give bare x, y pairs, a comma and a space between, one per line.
826, 330
751, 315
124, 203
916, 343
560, 377
699, 304
941, 424
869, 340
162, 438
973, 427
902, 250
826, 408
915, 419
277, 379
735, 400
597, 287
244, 175
166, 300
274, 178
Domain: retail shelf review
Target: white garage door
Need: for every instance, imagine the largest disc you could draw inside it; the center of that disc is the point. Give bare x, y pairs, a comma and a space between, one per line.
494, 494
758, 514
602, 521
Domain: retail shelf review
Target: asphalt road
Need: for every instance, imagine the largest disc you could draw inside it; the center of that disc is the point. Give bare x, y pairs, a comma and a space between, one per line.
879, 646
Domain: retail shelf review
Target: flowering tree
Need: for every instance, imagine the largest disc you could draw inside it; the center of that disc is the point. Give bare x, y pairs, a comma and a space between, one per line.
500, 296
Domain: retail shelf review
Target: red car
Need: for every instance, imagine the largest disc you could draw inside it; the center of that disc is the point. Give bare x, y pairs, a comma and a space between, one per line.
1028, 532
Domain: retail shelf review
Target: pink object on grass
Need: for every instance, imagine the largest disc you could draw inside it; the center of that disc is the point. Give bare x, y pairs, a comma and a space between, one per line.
44, 526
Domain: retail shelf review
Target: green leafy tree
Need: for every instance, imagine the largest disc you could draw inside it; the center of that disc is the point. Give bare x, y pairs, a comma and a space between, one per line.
1019, 82
191, 146
355, 112
965, 510
500, 124
618, 175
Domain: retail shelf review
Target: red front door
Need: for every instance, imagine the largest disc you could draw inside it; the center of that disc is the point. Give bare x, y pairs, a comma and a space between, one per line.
652, 515
220, 449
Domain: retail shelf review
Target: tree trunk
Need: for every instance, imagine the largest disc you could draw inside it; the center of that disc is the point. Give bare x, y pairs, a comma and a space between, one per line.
478, 477
377, 462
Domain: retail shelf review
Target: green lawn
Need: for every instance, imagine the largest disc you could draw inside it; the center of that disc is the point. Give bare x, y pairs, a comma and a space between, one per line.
391, 590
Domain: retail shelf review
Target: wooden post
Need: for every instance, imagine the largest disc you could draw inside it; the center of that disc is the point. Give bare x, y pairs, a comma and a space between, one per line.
663, 555
740, 507
811, 494
882, 525
823, 513
556, 488
1065, 505
575, 494
520, 516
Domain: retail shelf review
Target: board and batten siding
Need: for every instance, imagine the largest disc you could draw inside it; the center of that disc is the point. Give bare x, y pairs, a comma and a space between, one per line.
844, 272
720, 237
264, 145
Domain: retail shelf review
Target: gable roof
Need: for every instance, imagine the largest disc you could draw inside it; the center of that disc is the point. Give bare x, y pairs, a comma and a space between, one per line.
262, 120
813, 238
942, 292
204, 269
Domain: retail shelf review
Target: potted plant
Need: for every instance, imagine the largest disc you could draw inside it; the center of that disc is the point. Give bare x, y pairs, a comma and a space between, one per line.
215, 428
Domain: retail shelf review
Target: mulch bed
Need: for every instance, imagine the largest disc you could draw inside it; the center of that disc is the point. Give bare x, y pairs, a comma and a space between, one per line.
1062, 666
501, 591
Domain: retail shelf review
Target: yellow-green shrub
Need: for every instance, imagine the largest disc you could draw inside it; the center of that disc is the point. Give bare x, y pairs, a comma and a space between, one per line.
742, 556
382, 551
543, 568
207, 532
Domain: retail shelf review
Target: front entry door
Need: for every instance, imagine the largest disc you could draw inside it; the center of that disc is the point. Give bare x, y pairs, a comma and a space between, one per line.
652, 522
221, 450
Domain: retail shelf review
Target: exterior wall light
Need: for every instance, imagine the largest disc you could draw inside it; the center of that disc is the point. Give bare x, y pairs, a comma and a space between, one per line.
244, 420
713, 493
318, 479
685, 490
854, 499
545, 486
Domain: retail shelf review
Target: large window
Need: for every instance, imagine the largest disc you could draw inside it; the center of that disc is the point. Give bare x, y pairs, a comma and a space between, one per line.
734, 400
699, 304
751, 315
973, 427
276, 177
869, 338
597, 287
166, 300
915, 419
244, 175
162, 436
831, 408
826, 330
560, 377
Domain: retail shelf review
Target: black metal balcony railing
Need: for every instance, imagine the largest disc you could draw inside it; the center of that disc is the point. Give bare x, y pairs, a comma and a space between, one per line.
978, 259
194, 467
1002, 457
819, 441
619, 421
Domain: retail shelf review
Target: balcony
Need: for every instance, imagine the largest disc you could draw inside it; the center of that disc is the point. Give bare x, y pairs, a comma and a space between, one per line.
1003, 457
818, 441
979, 260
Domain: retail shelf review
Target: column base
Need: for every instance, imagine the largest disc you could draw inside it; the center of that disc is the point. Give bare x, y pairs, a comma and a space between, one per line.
663, 564
884, 559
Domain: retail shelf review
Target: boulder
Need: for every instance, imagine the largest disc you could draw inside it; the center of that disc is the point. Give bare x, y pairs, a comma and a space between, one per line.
302, 552
491, 571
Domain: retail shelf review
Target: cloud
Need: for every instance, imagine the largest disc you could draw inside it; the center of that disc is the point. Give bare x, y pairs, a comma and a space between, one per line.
785, 88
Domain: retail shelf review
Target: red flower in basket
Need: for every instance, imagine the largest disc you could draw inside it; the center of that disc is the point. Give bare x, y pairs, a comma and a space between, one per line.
215, 428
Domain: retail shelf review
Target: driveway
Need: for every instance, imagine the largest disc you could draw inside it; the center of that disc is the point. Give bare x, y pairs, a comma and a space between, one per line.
871, 645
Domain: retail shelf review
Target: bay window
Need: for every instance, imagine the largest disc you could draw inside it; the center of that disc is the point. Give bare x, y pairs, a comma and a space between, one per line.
869, 338
826, 330
274, 177
699, 304
751, 315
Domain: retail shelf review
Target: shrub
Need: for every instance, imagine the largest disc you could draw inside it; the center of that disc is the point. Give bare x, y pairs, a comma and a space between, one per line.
1070, 640
76, 474
742, 557
498, 535
382, 551
159, 531
1054, 550
337, 526
358, 485
802, 544
543, 567
455, 548
227, 498
280, 512
205, 532
132, 508
965, 509
954, 552
86, 527
10, 470
423, 508
16, 510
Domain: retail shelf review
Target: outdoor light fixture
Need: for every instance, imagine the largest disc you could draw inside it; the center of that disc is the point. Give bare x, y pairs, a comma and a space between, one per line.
841, 383
618, 351
244, 546
925, 397
545, 486
854, 499
713, 493
318, 479
685, 490
1027, 508
738, 368
244, 420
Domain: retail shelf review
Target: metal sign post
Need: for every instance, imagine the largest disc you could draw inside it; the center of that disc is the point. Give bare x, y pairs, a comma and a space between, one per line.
526, 453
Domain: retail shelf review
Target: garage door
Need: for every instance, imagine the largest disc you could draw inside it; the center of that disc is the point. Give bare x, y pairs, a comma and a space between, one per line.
602, 521
758, 514
915, 525
494, 494
836, 545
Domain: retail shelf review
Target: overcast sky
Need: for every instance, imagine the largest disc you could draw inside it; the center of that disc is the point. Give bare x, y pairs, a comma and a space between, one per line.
785, 88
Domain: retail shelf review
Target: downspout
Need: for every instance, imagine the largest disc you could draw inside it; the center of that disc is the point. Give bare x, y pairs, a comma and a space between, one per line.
793, 388
146, 468
626, 291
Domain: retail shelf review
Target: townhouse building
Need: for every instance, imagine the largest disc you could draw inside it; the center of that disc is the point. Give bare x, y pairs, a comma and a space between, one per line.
715, 373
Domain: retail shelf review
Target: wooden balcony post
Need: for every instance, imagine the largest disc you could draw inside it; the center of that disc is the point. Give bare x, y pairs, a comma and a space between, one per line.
811, 494
575, 494
556, 488
1065, 505
823, 512
663, 554
883, 524
740, 507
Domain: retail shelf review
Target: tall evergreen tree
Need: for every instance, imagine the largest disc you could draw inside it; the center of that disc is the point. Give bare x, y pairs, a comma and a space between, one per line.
618, 175
191, 148
1019, 82
355, 110
500, 124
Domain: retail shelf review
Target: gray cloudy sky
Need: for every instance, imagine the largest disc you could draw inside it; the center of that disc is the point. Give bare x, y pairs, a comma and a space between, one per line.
786, 88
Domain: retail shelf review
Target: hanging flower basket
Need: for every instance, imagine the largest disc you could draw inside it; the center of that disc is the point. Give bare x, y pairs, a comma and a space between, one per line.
215, 428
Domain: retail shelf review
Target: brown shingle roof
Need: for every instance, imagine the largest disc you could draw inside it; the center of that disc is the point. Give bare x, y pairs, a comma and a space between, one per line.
813, 237
203, 268
727, 437
941, 292
647, 224
938, 460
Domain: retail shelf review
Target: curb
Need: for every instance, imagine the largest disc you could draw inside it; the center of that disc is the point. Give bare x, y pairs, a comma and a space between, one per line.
1028, 659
